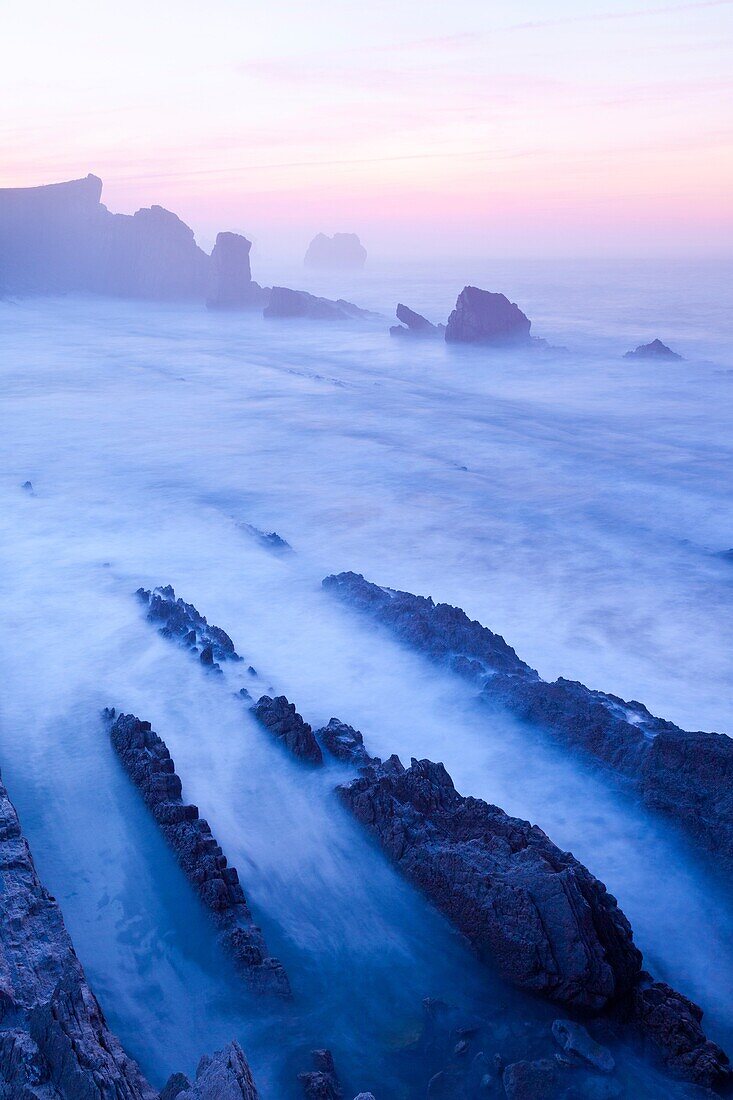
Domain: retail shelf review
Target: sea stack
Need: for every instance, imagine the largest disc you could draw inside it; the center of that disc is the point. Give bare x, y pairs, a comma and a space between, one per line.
482, 317
342, 251
230, 275
655, 350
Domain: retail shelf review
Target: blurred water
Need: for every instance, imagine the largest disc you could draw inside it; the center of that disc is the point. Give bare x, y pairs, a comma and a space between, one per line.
571, 500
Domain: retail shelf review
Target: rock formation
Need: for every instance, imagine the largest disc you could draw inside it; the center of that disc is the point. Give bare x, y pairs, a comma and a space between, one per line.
655, 350
342, 251
281, 719
222, 1076
147, 761
54, 1041
533, 911
414, 324
270, 540
230, 278
345, 743
686, 776
182, 622
321, 1083
286, 303
481, 317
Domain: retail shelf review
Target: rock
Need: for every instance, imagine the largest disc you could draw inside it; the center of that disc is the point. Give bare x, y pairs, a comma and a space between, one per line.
365, 1096
574, 1039
322, 1082
528, 908
28, 487
222, 1076
345, 743
655, 350
148, 763
269, 539
414, 324
182, 622
481, 317
531, 1080
286, 303
54, 1040
673, 1025
342, 251
230, 277
281, 719
174, 1086
686, 776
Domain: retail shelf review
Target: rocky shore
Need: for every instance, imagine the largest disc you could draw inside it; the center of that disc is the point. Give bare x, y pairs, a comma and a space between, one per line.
688, 776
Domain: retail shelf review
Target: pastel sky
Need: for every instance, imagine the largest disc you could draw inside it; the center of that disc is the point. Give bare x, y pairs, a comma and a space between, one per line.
537, 127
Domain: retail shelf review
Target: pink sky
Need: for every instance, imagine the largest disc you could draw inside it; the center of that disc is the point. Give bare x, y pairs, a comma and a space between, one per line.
473, 127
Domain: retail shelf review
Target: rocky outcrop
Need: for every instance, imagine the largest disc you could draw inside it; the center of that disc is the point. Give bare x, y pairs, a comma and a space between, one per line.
222, 1076
686, 776
342, 251
481, 317
54, 1040
533, 911
345, 743
281, 719
270, 540
414, 324
230, 277
286, 303
321, 1083
673, 1025
148, 763
183, 623
655, 350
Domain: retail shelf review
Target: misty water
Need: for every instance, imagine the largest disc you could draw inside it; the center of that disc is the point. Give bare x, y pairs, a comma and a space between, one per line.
575, 502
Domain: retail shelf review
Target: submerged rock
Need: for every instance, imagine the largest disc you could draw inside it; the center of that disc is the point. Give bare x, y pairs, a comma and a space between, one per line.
321, 1083
573, 1039
655, 350
269, 539
147, 761
414, 324
481, 317
530, 909
281, 719
286, 303
687, 776
54, 1040
230, 277
532, 1080
342, 251
183, 622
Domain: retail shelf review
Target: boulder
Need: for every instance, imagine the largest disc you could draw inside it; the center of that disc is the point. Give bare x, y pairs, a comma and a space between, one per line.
532, 1080
574, 1039
481, 317
146, 759
321, 1083
281, 719
655, 350
287, 303
230, 277
673, 1025
342, 251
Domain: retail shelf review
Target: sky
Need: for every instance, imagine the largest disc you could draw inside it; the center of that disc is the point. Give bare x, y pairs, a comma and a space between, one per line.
537, 128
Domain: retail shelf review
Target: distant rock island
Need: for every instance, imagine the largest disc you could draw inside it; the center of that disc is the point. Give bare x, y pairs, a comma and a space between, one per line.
481, 317
342, 251
655, 350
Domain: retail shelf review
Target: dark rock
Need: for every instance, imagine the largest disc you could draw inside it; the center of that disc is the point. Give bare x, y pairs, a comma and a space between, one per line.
54, 1040
230, 276
28, 486
281, 719
481, 317
222, 1076
269, 539
687, 776
414, 324
345, 743
655, 350
322, 1082
342, 251
174, 1086
673, 1024
575, 1040
286, 303
532, 910
183, 622
531, 1080
147, 761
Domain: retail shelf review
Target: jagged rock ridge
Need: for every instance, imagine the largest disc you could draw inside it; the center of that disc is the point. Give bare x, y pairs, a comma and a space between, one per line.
688, 776
282, 720
655, 350
147, 761
181, 621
